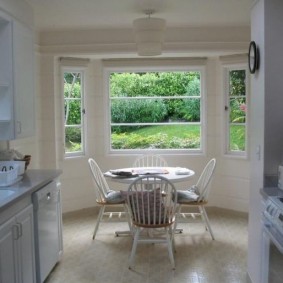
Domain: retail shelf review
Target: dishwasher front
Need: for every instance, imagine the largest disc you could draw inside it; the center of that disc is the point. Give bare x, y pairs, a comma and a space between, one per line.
48, 229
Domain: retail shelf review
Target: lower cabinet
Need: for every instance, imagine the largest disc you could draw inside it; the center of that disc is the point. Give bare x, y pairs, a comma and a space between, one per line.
17, 261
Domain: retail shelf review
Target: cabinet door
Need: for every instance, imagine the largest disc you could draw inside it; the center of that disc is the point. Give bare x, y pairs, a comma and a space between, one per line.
26, 245
8, 254
17, 260
6, 78
23, 69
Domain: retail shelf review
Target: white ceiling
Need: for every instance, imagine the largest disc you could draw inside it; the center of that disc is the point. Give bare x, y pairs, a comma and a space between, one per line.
105, 14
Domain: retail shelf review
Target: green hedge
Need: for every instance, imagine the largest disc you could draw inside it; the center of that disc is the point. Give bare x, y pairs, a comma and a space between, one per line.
138, 111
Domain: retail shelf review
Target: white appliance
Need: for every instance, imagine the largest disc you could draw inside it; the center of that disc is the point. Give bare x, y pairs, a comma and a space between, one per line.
272, 257
48, 229
280, 177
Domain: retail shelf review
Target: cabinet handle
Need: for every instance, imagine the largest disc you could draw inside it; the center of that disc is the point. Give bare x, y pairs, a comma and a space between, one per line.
48, 196
15, 232
20, 230
19, 127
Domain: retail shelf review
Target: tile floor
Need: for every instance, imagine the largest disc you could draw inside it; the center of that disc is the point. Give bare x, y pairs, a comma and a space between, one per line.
198, 258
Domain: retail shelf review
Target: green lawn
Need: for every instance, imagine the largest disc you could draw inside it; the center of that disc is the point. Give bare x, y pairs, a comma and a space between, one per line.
171, 136
161, 137
182, 131
168, 136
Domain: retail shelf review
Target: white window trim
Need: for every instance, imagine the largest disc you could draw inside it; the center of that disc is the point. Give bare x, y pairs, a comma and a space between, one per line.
81, 70
158, 66
225, 141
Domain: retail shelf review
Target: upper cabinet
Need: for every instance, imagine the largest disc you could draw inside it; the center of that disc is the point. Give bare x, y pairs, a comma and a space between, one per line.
16, 80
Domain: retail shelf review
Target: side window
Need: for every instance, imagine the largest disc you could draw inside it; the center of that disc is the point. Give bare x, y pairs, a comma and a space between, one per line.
73, 86
236, 107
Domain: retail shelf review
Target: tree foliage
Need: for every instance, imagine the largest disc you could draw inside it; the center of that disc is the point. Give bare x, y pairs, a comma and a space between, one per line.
72, 91
155, 84
237, 94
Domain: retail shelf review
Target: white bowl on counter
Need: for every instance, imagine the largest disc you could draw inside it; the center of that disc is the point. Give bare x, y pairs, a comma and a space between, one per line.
8, 165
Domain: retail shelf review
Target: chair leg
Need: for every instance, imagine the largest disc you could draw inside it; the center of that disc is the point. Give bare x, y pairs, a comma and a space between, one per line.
206, 220
179, 231
101, 211
170, 237
128, 217
173, 241
134, 247
127, 233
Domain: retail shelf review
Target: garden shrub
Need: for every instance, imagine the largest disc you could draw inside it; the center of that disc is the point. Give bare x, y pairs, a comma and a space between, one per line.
73, 113
157, 84
73, 135
137, 111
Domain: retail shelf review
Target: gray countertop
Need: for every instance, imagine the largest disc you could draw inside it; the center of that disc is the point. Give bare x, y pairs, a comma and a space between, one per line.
32, 181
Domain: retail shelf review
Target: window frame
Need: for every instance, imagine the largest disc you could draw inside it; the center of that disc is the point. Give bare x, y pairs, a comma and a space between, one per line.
226, 68
82, 71
135, 67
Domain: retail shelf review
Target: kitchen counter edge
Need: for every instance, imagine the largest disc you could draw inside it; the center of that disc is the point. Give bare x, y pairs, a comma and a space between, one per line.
33, 179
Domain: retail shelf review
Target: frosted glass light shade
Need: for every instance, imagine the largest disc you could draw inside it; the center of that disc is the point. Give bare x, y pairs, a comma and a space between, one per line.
149, 35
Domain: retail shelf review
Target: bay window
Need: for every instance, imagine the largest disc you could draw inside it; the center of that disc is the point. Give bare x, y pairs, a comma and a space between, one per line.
155, 110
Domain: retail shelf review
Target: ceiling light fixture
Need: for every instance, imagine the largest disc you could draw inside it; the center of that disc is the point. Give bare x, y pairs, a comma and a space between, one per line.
149, 34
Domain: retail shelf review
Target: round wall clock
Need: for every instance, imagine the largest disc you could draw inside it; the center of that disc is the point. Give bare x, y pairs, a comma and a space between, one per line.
253, 57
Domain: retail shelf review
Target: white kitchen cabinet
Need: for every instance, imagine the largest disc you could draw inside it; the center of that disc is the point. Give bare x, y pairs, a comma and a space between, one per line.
16, 80
8, 255
17, 260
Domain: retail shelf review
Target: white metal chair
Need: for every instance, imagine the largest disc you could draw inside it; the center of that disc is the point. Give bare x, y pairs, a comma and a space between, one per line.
197, 196
149, 160
106, 197
152, 204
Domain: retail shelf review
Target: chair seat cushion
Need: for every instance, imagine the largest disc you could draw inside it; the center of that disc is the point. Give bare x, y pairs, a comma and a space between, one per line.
114, 197
189, 195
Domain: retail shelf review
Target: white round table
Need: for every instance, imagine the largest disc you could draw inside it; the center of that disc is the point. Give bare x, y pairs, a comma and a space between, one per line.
174, 175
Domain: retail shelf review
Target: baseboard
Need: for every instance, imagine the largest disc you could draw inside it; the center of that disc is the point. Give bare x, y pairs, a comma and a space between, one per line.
231, 203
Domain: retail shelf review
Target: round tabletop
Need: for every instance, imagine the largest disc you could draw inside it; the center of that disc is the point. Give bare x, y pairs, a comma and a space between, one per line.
173, 174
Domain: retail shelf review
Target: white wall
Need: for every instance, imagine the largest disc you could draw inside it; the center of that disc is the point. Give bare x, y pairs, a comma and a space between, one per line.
19, 9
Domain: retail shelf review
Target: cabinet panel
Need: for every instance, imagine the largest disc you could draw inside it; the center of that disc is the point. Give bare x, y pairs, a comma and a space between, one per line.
17, 264
5, 110
26, 245
16, 80
8, 255
6, 49
23, 81
6, 75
